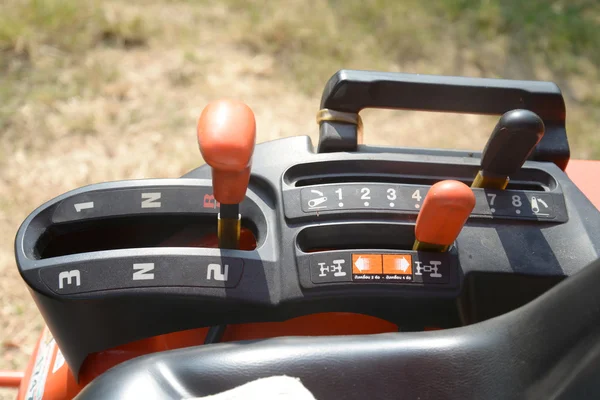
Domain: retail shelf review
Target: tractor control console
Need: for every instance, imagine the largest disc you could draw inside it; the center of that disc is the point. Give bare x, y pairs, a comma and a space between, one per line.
418, 237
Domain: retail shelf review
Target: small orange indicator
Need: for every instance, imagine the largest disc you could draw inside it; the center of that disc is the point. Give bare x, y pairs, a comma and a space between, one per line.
367, 264
397, 264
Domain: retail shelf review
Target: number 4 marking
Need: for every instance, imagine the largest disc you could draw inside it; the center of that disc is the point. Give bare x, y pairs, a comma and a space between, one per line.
417, 195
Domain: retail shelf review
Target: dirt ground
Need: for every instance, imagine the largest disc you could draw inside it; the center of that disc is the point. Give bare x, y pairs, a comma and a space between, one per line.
141, 124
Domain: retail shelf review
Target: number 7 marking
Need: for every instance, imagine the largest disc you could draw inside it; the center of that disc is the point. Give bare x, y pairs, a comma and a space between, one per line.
492, 197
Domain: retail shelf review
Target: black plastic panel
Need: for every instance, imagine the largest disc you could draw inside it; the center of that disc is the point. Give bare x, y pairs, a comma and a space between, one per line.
115, 262
548, 349
277, 280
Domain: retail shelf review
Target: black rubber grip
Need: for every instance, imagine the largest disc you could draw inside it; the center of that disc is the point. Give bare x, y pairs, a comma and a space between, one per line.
512, 141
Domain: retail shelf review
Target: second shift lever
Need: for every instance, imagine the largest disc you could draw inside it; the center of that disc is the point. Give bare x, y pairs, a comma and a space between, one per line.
512, 141
226, 137
445, 210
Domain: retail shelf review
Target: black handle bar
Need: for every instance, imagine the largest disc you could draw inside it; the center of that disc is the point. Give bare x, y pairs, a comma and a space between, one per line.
351, 91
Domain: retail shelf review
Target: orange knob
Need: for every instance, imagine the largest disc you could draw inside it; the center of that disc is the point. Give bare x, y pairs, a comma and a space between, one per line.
226, 137
445, 210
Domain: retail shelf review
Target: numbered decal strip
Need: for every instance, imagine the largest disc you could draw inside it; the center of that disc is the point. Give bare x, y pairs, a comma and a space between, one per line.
354, 196
138, 272
114, 202
408, 198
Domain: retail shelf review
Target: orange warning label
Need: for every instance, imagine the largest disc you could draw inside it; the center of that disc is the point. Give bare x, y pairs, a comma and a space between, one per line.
398, 264
366, 264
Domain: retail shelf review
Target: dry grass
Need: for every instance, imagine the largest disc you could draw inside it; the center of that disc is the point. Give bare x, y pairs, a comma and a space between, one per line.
556, 41
119, 99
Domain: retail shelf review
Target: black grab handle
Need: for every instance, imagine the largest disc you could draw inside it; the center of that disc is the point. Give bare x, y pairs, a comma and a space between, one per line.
350, 91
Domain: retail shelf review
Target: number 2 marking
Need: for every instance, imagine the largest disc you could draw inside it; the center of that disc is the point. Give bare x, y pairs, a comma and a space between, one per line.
365, 194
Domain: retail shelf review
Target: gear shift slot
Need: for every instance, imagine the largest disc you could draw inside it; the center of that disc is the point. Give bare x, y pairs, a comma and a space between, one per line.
136, 232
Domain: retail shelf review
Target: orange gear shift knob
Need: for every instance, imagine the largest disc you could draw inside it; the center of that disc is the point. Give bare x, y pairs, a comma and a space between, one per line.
226, 137
445, 210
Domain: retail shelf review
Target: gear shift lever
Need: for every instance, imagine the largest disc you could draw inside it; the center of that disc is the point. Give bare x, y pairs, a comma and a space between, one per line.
445, 210
226, 137
512, 141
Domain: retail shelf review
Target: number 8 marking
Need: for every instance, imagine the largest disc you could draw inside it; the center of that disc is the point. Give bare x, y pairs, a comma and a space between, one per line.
516, 201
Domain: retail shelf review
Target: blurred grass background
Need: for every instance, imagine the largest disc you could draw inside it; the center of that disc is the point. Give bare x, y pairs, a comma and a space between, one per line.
93, 91
548, 40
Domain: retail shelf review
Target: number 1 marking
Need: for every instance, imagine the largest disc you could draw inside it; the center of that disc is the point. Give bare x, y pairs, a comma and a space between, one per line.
84, 206
339, 193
